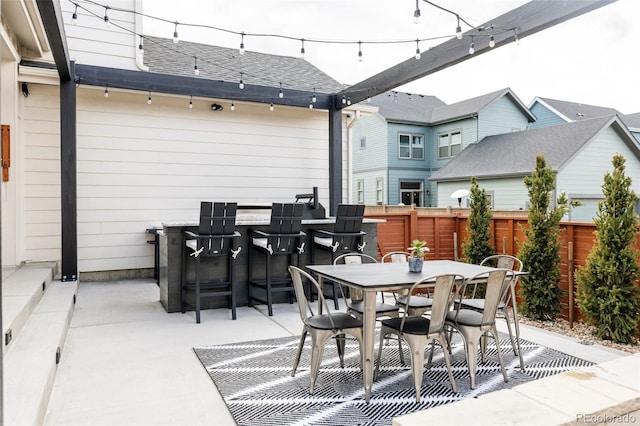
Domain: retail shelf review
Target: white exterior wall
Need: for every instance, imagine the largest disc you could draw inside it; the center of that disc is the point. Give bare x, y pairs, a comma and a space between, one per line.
584, 175
508, 194
92, 42
140, 165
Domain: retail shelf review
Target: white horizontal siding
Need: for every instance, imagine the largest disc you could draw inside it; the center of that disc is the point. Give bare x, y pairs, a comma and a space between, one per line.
140, 165
508, 194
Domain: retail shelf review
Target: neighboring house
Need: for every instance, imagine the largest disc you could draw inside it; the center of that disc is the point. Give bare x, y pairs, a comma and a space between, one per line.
143, 157
552, 111
396, 149
579, 153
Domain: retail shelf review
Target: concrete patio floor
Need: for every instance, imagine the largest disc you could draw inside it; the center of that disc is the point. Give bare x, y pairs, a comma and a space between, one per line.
128, 362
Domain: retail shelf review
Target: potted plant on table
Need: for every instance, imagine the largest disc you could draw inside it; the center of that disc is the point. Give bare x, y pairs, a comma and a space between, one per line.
416, 255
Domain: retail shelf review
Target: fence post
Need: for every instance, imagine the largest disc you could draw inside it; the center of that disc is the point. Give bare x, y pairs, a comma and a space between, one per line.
570, 279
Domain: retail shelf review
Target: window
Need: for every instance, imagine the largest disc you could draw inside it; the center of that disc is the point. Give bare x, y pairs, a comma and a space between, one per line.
449, 144
379, 190
363, 142
360, 191
410, 146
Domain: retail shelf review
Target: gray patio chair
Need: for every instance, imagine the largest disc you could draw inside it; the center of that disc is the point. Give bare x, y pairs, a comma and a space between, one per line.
418, 331
475, 326
414, 305
321, 327
476, 301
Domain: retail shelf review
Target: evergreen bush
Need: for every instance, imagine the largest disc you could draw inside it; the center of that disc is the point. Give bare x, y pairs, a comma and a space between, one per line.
477, 246
539, 253
607, 291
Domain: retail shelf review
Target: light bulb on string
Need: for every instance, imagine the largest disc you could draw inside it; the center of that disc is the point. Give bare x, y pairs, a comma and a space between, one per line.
416, 14
106, 91
360, 58
492, 41
515, 37
348, 101
241, 50
106, 16
191, 102
271, 107
241, 84
233, 106
458, 29
472, 47
313, 97
149, 99
74, 17
196, 71
302, 49
311, 104
140, 46
344, 100
281, 93
418, 55
175, 33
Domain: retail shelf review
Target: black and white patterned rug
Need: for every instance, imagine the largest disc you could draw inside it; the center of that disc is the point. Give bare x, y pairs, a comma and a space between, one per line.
255, 381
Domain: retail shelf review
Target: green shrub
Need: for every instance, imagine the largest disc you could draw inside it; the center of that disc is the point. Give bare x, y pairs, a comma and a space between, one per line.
477, 246
607, 292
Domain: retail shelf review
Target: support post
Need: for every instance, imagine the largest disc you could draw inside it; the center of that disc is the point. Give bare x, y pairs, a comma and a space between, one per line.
335, 159
68, 178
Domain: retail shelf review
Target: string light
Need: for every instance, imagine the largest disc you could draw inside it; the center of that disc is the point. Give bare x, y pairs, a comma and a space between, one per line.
416, 14
313, 97
344, 100
196, 71
348, 100
106, 17
191, 102
458, 29
106, 91
271, 107
74, 17
472, 48
140, 46
175, 34
492, 41
241, 84
360, 58
233, 106
280, 93
311, 103
302, 49
149, 99
418, 56
515, 36
241, 51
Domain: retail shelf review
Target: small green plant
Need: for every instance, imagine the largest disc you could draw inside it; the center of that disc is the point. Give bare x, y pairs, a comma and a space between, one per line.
418, 249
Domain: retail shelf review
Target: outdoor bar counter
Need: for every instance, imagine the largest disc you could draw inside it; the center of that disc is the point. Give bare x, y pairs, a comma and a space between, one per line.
171, 250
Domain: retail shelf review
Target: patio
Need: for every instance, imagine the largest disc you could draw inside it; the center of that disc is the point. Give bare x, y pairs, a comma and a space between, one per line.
128, 362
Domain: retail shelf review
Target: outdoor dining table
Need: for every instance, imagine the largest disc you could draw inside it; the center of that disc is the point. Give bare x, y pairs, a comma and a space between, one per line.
375, 277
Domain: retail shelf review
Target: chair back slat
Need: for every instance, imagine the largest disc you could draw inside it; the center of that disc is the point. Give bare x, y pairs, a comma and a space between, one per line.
505, 261
349, 218
443, 296
216, 228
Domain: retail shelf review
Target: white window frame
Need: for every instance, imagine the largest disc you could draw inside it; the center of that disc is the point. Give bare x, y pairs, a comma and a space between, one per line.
379, 190
449, 145
412, 138
360, 191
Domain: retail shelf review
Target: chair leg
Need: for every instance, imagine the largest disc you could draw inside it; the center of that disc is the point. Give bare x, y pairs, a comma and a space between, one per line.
340, 344
494, 332
417, 363
383, 334
336, 304
319, 340
442, 338
198, 290
303, 336
516, 325
268, 284
232, 284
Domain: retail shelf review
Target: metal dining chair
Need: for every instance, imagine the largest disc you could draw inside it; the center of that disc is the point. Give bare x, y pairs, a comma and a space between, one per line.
414, 304
419, 331
321, 327
476, 302
475, 326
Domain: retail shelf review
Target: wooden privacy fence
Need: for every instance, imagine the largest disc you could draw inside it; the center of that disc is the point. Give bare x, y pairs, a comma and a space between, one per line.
445, 231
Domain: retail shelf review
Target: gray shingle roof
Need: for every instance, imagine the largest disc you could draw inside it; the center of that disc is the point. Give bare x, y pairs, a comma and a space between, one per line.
577, 111
161, 55
514, 154
473, 106
404, 107
632, 120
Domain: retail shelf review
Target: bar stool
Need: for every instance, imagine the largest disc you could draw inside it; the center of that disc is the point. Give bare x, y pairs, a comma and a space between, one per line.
346, 237
284, 238
215, 239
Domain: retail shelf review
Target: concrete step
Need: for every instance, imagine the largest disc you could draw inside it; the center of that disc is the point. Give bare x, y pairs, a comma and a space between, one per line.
21, 293
31, 359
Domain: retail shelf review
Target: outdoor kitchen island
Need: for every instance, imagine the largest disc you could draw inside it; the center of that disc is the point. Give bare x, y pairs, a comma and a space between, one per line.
172, 247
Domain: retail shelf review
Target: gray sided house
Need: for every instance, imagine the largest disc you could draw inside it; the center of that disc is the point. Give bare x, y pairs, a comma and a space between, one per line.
549, 112
579, 153
396, 149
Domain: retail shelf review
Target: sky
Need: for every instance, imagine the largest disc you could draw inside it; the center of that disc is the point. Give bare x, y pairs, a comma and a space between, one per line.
592, 59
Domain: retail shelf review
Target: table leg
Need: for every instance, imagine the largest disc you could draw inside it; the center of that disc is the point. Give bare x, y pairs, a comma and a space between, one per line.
369, 331
320, 284
516, 323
